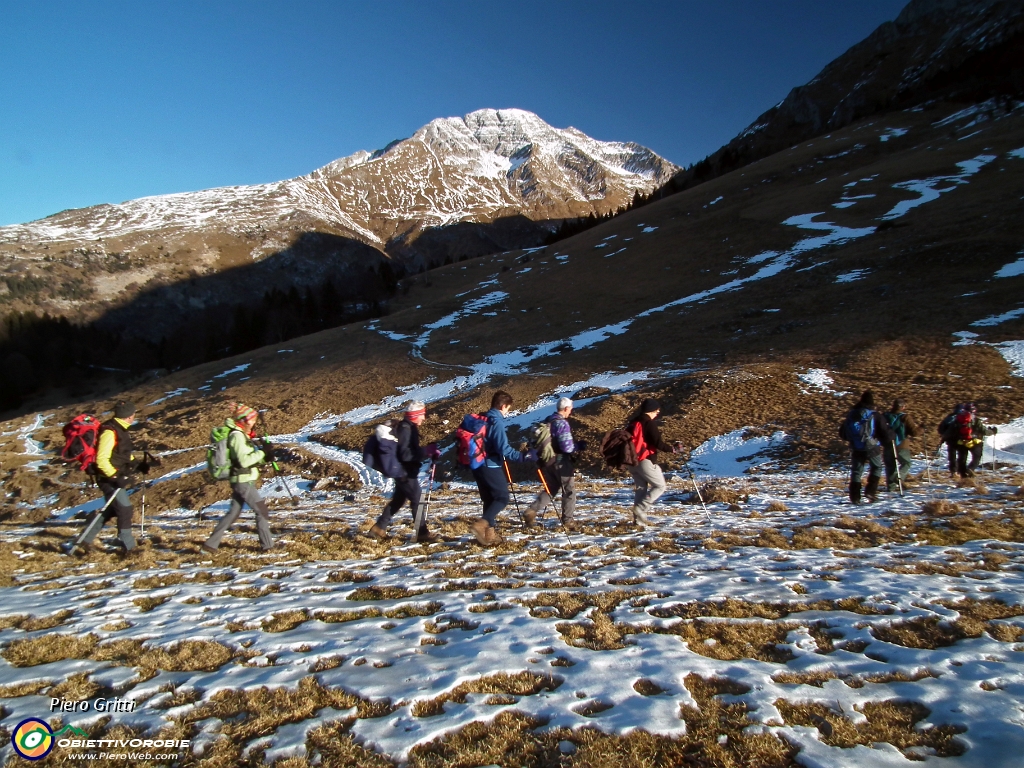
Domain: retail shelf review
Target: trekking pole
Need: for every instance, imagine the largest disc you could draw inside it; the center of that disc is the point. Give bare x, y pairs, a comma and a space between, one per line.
512, 485
551, 498
694, 481
420, 518
896, 459
273, 462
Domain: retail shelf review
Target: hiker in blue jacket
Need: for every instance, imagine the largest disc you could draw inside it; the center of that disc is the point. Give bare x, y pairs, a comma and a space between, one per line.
490, 476
865, 430
559, 473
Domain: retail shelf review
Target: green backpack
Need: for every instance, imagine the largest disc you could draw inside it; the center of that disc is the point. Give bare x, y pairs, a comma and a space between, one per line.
897, 425
218, 460
540, 435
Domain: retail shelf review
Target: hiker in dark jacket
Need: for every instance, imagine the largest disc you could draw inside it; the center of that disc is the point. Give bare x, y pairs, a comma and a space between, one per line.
559, 472
648, 479
245, 460
115, 463
896, 454
964, 433
410, 457
865, 430
490, 476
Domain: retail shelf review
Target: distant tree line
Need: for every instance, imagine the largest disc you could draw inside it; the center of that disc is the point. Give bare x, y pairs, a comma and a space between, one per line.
41, 351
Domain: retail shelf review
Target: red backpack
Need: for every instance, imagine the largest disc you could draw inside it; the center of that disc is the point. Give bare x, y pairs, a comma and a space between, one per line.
964, 431
81, 438
469, 438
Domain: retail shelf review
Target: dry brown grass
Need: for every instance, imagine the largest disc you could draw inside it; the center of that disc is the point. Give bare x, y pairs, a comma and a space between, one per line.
892, 722
344, 576
448, 623
33, 688
252, 713
339, 617
285, 620
79, 687
941, 508
516, 684
567, 605
493, 605
252, 591
820, 677
646, 687
776, 506
158, 581
147, 604
33, 623
382, 593
30, 652
930, 632
410, 610
734, 608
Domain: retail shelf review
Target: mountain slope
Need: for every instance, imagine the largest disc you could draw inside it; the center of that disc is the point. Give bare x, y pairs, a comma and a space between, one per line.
483, 169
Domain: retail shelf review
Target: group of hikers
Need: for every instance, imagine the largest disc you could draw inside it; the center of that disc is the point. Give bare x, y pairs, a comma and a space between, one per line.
878, 443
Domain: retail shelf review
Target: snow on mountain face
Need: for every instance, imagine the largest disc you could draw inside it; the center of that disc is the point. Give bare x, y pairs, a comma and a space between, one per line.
488, 164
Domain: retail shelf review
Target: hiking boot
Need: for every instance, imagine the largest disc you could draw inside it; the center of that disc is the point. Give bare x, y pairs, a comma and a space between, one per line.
570, 526
530, 518
480, 528
640, 518
493, 537
75, 550
208, 549
969, 473
377, 532
426, 537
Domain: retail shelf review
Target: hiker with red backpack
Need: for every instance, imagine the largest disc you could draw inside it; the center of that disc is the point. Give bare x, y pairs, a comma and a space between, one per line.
964, 433
405, 470
897, 456
648, 479
244, 458
557, 471
112, 469
485, 449
866, 431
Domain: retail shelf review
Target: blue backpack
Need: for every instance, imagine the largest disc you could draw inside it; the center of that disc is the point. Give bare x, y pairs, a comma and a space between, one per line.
859, 429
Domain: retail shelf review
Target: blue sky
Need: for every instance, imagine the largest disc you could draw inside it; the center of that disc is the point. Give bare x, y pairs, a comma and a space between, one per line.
109, 101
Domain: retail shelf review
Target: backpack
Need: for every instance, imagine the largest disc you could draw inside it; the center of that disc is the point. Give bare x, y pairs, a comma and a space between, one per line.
218, 458
898, 426
379, 451
618, 449
469, 440
964, 429
81, 438
540, 439
859, 429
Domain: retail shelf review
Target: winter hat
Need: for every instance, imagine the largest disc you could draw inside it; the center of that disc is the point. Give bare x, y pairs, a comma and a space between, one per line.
650, 405
563, 403
243, 414
868, 399
415, 408
123, 409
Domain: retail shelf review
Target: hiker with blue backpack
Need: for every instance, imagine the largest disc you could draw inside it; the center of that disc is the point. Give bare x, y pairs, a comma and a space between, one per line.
395, 451
866, 431
896, 454
233, 441
484, 448
556, 455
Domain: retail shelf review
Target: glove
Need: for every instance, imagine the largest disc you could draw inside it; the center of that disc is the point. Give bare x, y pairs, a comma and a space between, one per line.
143, 467
581, 446
530, 455
121, 480
268, 451
993, 430
433, 452
154, 461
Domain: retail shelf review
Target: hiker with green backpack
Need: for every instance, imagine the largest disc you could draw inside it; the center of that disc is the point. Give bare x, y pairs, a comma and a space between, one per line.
556, 453
896, 454
233, 457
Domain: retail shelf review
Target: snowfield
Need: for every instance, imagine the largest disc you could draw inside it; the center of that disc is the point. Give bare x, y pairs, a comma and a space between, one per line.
813, 611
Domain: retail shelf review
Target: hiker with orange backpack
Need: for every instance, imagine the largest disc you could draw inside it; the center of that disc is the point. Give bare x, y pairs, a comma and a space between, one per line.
964, 433
112, 469
243, 459
487, 457
648, 479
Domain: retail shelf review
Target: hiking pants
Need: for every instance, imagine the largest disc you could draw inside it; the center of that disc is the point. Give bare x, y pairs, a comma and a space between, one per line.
861, 460
961, 458
406, 489
241, 494
901, 459
493, 490
120, 507
650, 484
559, 477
